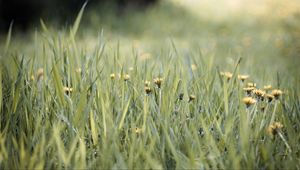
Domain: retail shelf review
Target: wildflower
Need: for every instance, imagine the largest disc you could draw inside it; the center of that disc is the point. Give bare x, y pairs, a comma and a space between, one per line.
148, 90
249, 101
270, 97
276, 93
251, 84
192, 97
126, 77
259, 93
68, 90
243, 77
274, 128
130, 69
158, 82
40, 73
112, 76
267, 87
147, 83
228, 75
248, 90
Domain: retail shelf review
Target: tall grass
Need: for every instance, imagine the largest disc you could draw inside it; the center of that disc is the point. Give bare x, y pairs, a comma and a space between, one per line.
109, 122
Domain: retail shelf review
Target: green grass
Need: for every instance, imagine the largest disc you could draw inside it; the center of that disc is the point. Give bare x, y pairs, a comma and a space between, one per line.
107, 123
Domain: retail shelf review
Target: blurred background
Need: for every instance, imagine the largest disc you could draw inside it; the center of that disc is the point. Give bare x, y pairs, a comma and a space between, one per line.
264, 30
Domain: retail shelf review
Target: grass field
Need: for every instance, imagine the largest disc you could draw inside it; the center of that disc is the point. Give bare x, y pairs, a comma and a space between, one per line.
147, 91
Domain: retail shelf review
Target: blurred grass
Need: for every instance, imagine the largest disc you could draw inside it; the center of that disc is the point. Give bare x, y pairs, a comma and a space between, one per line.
111, 124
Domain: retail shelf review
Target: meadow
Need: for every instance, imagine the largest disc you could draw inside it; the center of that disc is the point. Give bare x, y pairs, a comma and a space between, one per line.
145, 91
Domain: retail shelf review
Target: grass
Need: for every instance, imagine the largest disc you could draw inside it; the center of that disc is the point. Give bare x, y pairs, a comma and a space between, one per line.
109, 122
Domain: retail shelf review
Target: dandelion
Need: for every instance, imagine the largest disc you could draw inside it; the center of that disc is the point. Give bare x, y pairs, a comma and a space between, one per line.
251, 84
40, 74
259, 93
248, 90
68, 90
270, 97
192, 97
243, 77
276, 93
158, 82
126, 77
147, 83
249, 101
268, 87
112, 76
228, 75
148, 90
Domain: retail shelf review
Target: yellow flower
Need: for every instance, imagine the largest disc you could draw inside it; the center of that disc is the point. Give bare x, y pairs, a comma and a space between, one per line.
32, 78
243, 77
40, 74
276, 93
248, 90
148, 90
259, 93
228, 75
270, 97
112, 76
158, 82
192, 97
274, 128
251, 84
147, 83
267, 87
249, 101
126, 77
68, 90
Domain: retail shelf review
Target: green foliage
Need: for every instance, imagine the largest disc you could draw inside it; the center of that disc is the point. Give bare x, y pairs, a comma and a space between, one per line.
111, 123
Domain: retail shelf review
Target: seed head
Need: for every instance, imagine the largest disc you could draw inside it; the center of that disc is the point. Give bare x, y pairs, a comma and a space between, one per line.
158, 82
249, 101
275, 128
243, 77
276, 93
